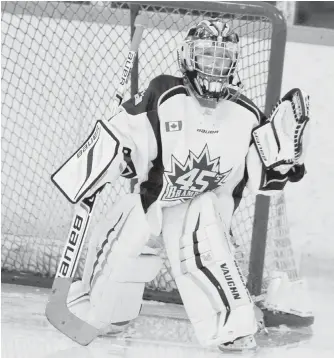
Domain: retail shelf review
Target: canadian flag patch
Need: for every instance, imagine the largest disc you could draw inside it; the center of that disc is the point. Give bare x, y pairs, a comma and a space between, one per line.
173, 126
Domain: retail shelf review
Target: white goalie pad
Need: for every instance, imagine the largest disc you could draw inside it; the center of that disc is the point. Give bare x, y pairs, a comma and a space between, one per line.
118, 264
208, 278
119, 298
88, 164
141, 269
283, 139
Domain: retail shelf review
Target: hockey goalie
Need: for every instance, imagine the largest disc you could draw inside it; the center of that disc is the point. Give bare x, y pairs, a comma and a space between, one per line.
193, 143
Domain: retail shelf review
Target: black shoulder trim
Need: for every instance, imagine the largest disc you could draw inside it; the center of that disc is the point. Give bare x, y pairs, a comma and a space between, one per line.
252, 107
147, 100
165, 82
173, 92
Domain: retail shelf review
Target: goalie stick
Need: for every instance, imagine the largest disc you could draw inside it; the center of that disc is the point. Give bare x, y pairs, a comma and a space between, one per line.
56, 310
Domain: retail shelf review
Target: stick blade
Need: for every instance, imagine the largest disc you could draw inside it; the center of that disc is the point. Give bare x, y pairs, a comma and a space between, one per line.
63, 319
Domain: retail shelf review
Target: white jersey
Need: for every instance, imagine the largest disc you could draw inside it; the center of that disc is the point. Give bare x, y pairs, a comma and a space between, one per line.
175, 149
189, 149
181, 149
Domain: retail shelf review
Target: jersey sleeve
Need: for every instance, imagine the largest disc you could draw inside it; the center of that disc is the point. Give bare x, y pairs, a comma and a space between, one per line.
143, 107
143, 124
137, 138
137, 128
124, 146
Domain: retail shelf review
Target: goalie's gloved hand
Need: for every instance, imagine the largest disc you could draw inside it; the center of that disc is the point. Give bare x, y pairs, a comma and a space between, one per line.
282, 140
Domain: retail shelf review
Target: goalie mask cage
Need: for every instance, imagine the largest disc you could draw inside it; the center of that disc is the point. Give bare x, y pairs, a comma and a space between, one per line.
60, 63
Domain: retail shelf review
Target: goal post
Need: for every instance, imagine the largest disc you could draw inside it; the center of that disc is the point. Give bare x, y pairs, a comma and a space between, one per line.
60, 64
262, 203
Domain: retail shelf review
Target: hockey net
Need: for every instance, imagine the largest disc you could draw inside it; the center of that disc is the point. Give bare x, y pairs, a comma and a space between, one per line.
60, 64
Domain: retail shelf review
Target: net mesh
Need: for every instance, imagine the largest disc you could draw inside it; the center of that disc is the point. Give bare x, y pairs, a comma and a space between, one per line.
60, 64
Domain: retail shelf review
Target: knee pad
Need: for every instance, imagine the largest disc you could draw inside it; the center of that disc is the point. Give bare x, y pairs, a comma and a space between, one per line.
117, 295
208, 278
116, 298
120, 265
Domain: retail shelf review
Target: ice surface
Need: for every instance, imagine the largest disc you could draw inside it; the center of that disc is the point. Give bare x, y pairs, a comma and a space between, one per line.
26, 332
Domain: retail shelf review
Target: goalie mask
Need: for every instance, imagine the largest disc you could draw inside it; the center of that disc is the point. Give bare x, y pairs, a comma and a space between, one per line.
208, 59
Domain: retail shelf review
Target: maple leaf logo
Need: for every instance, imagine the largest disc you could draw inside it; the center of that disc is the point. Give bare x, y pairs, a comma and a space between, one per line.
197, 175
